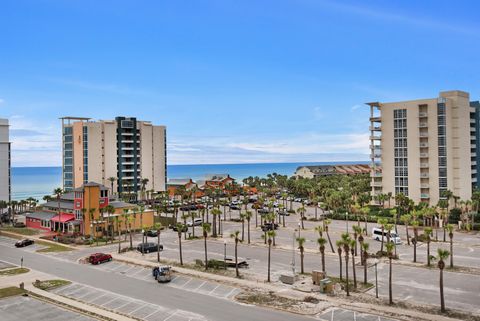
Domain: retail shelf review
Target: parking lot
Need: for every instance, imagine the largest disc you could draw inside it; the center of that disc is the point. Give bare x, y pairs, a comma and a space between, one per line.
26, 308
5, 265
124, 305
335, 314
182, 282
9, 242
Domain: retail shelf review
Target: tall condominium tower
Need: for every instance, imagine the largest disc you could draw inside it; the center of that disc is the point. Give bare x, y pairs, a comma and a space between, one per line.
424, 147
5, 163
126, 149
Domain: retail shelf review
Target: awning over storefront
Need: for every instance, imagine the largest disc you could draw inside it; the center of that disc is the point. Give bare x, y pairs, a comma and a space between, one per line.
64, 218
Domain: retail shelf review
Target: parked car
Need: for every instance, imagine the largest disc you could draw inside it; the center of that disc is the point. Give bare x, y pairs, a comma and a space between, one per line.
162, 274
283, 213
196, 222
235, 207
98, 258
263, 211
377, 235
24, 242
151, 233
269, 227
148, 247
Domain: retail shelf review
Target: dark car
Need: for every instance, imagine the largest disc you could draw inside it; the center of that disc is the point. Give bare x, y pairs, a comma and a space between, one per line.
263, 211
148, 247
151, 233
269, 227
283, 213
24, 242
98, 258
235, 207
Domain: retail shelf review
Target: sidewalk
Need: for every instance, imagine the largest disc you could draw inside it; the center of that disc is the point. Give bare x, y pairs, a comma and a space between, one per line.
376, 307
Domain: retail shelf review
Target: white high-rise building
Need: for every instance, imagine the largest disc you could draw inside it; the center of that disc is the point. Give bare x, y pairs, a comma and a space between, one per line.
125, 149
5, 162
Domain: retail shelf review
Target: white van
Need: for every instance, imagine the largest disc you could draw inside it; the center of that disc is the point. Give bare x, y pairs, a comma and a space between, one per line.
377, 235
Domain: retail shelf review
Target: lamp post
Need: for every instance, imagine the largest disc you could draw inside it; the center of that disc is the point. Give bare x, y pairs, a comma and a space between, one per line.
143, 244
293, 254
299, 228
346, 219
376, 278
225, 254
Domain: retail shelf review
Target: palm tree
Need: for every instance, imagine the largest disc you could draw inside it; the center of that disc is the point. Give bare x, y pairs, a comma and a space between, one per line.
118, 221
428, 234
346, 248
180, 228
109, 209
158, 227
414, 239
353, 247
321, 242
406, 220
234, 235
206, 230
365, 247
389, 247
215, 213
248, 216
58, 192
193, 215
357, 230
450, 228
242, 218
339, 244
131, 219
327, 223
301, 243
442, 256
302, 211
111, 180
91, 213
382, 222
270, 235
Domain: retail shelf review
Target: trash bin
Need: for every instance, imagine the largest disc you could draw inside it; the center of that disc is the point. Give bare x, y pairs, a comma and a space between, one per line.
317, 276
325, 286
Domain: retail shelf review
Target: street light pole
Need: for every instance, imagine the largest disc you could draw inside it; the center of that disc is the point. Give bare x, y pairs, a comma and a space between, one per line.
293, 254
225, 254
376, 280
299, 228
346, 219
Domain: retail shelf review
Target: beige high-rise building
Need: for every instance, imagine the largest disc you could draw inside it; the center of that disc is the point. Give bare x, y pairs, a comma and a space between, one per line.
424, 147
125, 149
5, 162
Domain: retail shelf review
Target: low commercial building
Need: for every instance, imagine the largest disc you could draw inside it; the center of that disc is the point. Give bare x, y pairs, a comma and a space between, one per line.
174, 184
84, 212
327, 170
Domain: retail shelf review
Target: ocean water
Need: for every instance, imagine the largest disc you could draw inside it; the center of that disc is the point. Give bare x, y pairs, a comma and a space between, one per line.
39, 181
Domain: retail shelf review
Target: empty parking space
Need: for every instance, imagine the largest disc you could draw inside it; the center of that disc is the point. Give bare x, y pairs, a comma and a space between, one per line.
26, 309
348, 315
9, 242
124, 305
5, 265
178, 281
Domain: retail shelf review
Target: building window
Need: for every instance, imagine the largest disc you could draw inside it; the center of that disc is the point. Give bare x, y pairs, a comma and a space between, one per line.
400, 151
442, 148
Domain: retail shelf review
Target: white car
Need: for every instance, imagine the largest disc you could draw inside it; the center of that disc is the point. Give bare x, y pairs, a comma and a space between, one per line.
377, 235
196, 222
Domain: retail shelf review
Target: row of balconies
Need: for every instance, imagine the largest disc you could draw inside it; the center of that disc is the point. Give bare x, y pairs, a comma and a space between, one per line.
376, 128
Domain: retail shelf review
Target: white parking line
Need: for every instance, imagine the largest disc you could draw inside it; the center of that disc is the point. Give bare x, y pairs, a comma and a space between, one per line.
171, 315
142, 306
213, 289
158, 310
186, 283
199, 286
109, 301
230, 293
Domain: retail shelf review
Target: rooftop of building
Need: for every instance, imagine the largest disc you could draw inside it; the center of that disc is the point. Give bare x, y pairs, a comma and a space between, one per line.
41, 215
91, 184
179, 181
217, 177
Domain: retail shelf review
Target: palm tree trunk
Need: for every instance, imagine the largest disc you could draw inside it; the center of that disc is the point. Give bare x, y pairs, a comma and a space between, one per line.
406, 228
346, 276
243, 230
451, 252
366, 226
180, 247
354, 272
158, 247
236, 258
390, 299
428, 253
119, 238
206, 258
442, 298
365, 268
323, 261
302, 256
381, 247
340, 262
330, 241
269, 250
248, 231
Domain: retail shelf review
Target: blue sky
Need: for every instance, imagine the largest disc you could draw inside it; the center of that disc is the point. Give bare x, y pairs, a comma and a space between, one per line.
234, 81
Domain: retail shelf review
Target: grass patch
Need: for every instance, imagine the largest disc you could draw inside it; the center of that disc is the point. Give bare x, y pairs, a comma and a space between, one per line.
20, 230
361, 287
10, 291
15, 271
50, 284
50, 247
